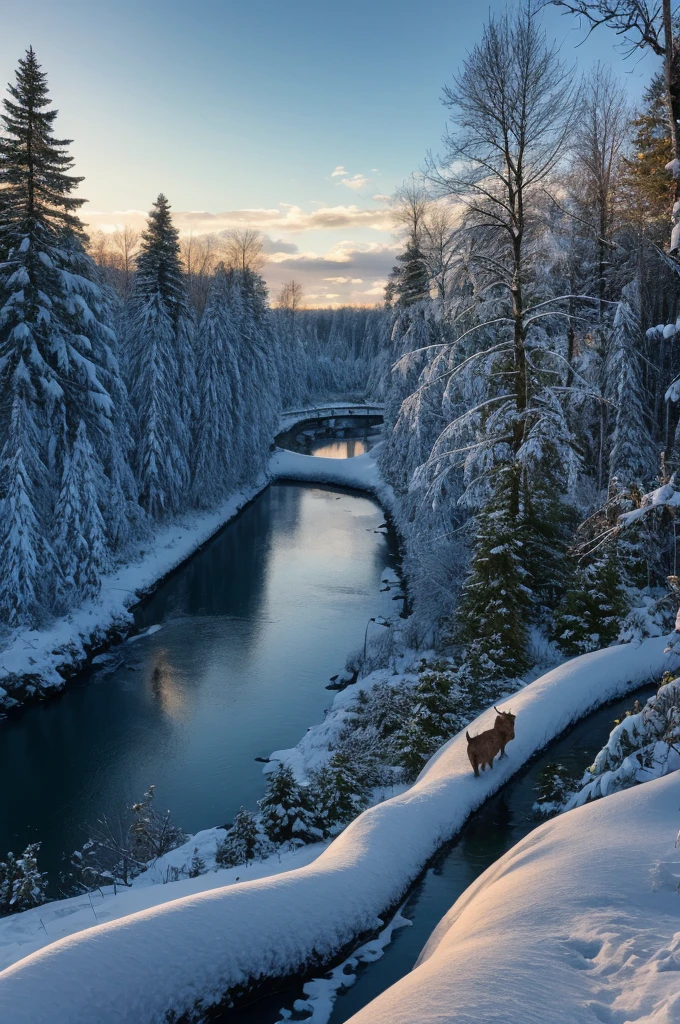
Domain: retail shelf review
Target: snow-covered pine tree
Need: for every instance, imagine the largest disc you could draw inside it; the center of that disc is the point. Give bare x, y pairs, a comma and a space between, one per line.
338, 793
258, 362
216, 463
26, 560
244, 841
633, 458
594, 605
411, 280
80, 539
159, 361
433, 720
287, 815
22, 885
495, 601
55, 343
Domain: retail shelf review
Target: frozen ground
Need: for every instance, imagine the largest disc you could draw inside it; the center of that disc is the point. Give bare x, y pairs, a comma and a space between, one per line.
172, 955
577, 924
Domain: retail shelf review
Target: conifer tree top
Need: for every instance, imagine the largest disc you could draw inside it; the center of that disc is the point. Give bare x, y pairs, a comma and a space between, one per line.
33, 163
159, 267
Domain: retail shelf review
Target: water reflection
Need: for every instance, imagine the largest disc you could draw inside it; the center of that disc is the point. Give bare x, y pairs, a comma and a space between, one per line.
335, 438
340, 449
252, 629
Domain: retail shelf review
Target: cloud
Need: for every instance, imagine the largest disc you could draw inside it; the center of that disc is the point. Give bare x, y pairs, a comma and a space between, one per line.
357, 181
379, 198
338, 172
354, 263
282, 219
276, 246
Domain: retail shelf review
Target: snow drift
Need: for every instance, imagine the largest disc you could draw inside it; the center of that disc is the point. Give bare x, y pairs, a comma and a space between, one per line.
578, 922
203, 945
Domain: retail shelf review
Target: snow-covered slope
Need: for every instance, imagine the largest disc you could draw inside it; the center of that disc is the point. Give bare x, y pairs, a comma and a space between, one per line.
200, 946
577, 924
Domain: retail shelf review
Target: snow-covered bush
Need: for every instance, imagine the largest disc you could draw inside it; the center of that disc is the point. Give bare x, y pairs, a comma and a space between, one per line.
644, 745
22, 885
121, 848
287, 815
244, 841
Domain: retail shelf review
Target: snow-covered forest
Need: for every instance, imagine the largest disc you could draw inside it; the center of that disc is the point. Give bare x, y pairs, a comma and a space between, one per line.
131, 396
527, 354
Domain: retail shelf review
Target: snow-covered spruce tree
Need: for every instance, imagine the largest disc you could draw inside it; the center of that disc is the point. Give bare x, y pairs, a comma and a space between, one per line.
22, 885
244, 841
286, 811
159, 364
80, 539
258, 370
495, 601
27, 562
590, 614
216, 468
633, 458
338, 793
56, 360
411, 279
413, 334
434, 719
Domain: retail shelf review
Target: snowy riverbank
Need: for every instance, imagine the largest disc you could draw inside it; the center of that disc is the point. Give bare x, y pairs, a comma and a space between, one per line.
578, 922
200, 946
36, 663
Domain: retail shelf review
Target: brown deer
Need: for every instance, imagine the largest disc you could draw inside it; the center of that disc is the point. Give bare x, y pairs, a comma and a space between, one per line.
483, 748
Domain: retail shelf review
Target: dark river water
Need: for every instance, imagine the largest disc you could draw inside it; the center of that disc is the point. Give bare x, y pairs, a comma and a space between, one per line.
252, 627
497, 826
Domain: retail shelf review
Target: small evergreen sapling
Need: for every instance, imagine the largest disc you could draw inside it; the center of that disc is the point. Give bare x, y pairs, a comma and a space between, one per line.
593, 607
338, 793
245, 841
287, 815
433, 721
22, 885
153, 832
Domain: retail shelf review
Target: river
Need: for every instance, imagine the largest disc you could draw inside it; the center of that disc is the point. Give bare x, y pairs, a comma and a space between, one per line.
252, 627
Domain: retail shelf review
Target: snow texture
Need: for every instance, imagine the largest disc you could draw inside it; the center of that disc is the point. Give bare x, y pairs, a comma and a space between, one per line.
578, 922
198, 947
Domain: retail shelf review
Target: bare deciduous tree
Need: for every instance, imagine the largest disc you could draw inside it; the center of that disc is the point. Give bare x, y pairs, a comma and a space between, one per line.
600, 135
200, 254
244, 249
512, 113
643, 25
439, 243
290, 297
410, 205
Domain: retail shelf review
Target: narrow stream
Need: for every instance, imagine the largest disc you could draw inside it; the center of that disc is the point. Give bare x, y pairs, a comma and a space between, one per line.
497, 826
251, 629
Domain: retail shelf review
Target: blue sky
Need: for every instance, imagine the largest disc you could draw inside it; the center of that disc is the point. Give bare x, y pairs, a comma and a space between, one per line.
232, 107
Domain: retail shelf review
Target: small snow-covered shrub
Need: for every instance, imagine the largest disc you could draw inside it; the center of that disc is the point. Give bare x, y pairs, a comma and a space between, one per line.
287, 814
338, 792
22, 885
245, 841
555, 785
644, 745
